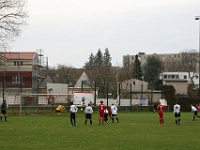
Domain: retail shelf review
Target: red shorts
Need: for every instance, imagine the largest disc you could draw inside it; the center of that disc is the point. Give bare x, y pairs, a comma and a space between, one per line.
101, 114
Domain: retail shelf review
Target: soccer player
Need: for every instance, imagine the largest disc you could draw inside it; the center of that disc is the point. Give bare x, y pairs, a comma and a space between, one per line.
73, 109
198, 107
3, 110
160, 109
59, 109
114, 113
106, 115
177, 113
88, 113
194, 110
101, 109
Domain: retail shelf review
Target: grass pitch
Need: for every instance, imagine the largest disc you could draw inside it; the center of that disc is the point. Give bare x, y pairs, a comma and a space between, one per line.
136, 130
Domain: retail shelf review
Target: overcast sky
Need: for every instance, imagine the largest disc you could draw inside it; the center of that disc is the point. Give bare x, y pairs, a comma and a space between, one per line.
68, 31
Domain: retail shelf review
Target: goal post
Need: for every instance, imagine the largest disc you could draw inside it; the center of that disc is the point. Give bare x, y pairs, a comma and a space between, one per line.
36, 102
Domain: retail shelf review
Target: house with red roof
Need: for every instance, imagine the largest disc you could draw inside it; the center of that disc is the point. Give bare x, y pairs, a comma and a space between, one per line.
20, 72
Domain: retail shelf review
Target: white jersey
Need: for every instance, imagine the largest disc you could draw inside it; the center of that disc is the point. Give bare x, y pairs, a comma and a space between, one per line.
193, 108
177, 108
114, 109
88, 110
73, 109
106, 111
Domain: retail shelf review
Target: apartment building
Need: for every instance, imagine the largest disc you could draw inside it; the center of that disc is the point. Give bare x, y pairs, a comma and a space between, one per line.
128, 60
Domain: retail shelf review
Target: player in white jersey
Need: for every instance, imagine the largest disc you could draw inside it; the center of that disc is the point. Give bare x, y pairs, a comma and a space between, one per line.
88, 113
73, 109
106, 115
114, 113
194, 110
177, 113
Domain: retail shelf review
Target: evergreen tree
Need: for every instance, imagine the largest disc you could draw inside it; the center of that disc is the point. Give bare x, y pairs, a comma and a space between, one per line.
91, 62
137, 69
98, 59
100, 68
107, 58
152, 70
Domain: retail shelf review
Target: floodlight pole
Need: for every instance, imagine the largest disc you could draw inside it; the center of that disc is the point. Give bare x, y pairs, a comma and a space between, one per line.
198, 18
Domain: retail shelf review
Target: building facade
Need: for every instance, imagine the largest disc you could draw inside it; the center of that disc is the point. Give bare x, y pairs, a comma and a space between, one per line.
20, 72
172, 57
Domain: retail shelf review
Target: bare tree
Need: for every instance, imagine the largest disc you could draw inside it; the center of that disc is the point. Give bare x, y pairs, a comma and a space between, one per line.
173, 64
190, 61
12, 17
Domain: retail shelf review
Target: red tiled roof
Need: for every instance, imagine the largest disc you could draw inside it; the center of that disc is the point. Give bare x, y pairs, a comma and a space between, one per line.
18, 55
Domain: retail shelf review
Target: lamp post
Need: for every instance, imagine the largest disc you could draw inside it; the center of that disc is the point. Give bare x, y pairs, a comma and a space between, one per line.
95, 92
142, 88
107, 93
198, 18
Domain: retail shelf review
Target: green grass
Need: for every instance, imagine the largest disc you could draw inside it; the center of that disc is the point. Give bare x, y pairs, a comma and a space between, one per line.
138, 131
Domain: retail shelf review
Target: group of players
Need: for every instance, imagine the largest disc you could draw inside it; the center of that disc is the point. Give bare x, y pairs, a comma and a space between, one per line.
111, 112
104, 113
177, 113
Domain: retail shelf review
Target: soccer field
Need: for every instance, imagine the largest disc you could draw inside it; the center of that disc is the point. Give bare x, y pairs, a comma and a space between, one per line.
135, 131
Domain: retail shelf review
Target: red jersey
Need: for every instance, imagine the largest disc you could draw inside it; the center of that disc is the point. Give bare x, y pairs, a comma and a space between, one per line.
101, 108
198, 108
160, 107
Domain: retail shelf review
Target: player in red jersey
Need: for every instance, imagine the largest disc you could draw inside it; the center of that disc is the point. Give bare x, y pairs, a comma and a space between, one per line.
101, 108
160, 109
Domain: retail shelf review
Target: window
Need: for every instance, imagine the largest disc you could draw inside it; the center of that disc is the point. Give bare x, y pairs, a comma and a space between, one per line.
17, 79
185, 77
18, 63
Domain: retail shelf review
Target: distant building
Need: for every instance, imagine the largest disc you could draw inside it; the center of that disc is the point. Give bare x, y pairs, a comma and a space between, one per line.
20, 72
180, 81
138, 89
129, 59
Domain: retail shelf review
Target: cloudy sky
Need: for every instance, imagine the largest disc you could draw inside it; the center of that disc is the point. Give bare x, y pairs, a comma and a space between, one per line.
68, 31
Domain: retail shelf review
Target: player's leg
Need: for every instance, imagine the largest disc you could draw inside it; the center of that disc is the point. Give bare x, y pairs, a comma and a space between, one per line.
194, 115
106, 118
71, 119
90, 119
59, 112
74, 118
86, 117
112, 118
5, 116
102, 121
179, 118
176, 119
117, 118
160, 118
100, 118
